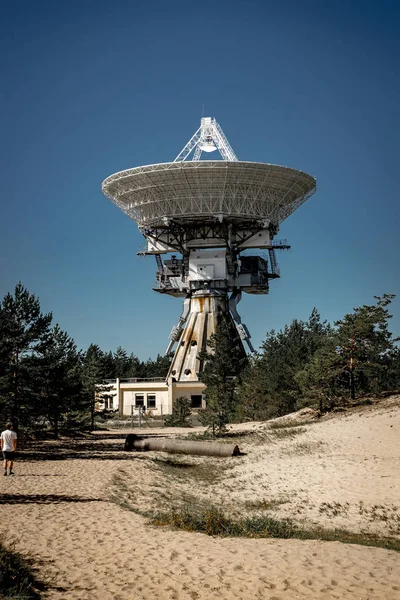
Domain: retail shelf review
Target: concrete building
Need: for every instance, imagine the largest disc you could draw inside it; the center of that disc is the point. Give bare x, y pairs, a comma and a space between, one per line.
127, 395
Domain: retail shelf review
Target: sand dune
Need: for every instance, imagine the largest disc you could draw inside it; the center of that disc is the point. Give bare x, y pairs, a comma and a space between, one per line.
335, 472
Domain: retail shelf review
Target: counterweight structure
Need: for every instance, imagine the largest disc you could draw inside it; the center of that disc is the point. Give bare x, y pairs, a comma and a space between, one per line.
211, 218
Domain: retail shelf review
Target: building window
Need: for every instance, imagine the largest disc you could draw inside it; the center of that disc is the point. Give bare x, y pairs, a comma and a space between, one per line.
139, 400
151, 400
196, 401
108, 402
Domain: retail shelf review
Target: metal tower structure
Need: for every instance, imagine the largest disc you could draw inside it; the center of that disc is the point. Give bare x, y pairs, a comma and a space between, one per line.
207, 216
208, 137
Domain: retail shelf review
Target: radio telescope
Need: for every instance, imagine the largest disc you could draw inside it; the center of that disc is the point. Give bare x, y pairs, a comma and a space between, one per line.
207, 216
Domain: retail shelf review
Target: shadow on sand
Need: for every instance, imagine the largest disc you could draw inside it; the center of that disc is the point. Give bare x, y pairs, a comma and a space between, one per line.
40, 475
67, 450
43, 499
95, 448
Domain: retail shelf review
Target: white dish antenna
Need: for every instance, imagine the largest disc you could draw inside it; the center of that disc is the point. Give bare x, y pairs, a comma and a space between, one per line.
208, 138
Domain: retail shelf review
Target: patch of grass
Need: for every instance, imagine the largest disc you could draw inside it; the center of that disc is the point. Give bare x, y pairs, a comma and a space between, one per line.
172, 463
347, 537
281, 433
198, 471
18, 576
212, 521
304, 448
205, 435
385, 514
227, 437
266, 504
288, 424
334, 509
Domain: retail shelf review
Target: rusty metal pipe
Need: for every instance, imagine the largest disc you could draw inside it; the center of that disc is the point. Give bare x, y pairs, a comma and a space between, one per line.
135, 442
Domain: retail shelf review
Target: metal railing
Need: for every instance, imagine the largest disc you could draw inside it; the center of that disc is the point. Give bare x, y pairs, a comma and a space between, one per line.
134, 379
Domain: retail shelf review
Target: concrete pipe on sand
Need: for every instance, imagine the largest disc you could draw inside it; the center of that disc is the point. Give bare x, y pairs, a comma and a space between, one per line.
136, 442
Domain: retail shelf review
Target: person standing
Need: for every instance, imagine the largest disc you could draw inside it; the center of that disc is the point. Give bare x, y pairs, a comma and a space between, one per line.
8, 440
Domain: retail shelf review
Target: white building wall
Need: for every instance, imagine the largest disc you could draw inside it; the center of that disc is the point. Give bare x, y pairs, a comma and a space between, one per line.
133, 397
129, 394
207, 265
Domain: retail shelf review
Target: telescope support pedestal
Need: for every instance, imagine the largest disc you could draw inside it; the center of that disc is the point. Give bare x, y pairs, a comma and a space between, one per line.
206, 309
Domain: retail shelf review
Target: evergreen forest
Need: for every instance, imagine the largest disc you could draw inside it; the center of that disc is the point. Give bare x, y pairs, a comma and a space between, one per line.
46, 381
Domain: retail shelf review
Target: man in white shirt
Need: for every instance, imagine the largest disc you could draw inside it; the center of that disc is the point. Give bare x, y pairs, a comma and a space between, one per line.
8, 441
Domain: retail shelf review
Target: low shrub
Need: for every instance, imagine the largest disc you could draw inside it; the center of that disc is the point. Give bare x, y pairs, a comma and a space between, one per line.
212, 521
181, 411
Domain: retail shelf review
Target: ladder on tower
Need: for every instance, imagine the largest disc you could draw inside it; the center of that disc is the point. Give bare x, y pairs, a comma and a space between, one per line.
160, 264
160, 274
275, 271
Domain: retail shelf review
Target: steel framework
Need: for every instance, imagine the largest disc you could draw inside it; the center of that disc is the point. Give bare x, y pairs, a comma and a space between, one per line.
208, 137
189, 191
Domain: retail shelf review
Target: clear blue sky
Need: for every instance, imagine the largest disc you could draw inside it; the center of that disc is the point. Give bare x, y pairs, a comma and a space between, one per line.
91, 88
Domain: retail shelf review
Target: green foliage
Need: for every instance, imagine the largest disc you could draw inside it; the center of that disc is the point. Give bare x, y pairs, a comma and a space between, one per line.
24, 335
223, 363
155, 368
45, 380
269, 387
18, 578
391, 363
119, 364
313, 363
363, 341
318, 380
93, 373
58, 371
359, 356
181, 412
212, 521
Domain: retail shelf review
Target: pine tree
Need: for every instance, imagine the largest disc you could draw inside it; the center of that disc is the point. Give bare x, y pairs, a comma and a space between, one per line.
252, 404
24, 334
223, 363
134, 366
93, 374
320, 379
109, 365
363, 341
359, 356
270, 387
156, 368
122, 363
181, 411
58, 369
391, 379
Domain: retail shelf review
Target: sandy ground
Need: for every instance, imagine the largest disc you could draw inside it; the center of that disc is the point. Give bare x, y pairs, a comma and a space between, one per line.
336, 472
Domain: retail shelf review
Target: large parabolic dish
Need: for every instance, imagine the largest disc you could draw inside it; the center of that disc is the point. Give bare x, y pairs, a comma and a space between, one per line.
184, 192
216, 222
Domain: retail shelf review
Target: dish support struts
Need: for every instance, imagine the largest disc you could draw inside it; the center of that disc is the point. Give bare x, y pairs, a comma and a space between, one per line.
202, 312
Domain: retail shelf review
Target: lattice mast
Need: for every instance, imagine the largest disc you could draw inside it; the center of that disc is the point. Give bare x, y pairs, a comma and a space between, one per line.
208, 138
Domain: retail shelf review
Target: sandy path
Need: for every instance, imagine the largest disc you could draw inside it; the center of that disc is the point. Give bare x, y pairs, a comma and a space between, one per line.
58, 511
